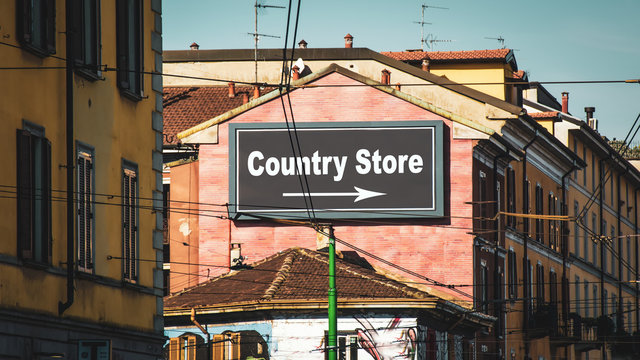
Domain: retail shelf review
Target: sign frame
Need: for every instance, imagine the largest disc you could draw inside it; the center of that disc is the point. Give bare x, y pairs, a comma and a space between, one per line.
437, 154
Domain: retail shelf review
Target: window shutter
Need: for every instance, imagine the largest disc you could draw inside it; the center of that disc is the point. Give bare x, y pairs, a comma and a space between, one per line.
50, 25
24, 194
218, 347
174, 349
46, 206
81, 213
134, 229
122, 43
24, 20
126, 225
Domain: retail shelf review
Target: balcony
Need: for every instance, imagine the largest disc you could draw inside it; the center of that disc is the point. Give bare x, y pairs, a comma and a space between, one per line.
543, 321
578, 331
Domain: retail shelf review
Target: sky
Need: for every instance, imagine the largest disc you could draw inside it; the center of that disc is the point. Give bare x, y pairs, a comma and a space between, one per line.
558, 40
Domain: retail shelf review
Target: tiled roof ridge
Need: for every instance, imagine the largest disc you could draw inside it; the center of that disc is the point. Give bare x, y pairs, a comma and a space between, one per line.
280, 277
345, 265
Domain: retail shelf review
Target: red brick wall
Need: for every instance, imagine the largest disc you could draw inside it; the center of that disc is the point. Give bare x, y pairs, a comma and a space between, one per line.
438, 248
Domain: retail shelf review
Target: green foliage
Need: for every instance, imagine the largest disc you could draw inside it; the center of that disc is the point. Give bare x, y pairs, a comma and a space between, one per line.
624, 149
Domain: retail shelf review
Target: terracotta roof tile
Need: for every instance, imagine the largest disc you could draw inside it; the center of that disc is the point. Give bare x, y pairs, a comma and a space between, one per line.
544, 115
293, 274
436, 56
188, 106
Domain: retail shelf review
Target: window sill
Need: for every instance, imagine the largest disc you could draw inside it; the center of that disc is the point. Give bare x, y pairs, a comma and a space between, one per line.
130, 95
35, 264
39, 52
88, 73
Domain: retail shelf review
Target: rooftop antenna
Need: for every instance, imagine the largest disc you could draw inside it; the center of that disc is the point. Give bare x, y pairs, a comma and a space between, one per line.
256, 35
423, 40
433, 40
499, 38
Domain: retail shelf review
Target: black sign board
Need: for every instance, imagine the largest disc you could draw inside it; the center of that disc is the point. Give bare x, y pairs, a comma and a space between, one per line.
344, 170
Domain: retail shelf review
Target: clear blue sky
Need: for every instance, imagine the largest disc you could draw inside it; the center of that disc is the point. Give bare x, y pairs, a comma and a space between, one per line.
554, 40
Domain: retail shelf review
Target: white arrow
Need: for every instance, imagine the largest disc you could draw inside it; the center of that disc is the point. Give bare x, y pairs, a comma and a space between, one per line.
360, 194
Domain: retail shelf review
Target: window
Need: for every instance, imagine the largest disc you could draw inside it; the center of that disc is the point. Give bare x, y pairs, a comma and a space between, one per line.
577, 295
482, 197
603, 181
587, 304
85, 209
603, 242
129, 222
593, 172
626, 202
539, 211
584, 171
539, 285
594, 243
614, 314
37, 25
575, 151
613, 198
614, 242
129, 46
629, 326
553, 288
595, 300
33, 194
87, 37
484, 288
513, 275
553, 225
628, 266
576, 229
511, 201
585, 242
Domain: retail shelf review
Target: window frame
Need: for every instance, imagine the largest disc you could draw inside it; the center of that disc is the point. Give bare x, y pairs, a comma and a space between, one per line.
27, 26
126, 33
513, 274
34, 233
87, 154
130, 263
89, 68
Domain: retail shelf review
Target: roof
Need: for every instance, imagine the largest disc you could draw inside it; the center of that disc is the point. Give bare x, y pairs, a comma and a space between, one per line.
307, 82
545, 115
294, 274
335, 54
496, 55
188, 106
296, 279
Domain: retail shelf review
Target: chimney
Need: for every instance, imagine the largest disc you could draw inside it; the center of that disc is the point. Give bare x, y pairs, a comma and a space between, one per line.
322, 240
348, 41
232, 89
235, 254
386, 77
565, 102
425, 65
398, 86
245, 97
302, 44
195, 46
296, 72
256, 92
589, 110
591, 121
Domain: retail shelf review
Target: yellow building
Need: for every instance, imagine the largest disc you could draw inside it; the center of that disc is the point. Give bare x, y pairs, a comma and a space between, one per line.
82, 185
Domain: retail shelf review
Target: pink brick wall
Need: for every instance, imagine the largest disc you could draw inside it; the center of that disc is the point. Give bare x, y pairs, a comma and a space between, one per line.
438, 248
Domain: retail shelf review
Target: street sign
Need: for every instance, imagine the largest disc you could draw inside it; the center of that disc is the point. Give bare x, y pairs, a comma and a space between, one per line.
343, 170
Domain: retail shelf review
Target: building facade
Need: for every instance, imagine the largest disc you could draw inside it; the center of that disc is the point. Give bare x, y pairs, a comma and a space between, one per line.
82, 226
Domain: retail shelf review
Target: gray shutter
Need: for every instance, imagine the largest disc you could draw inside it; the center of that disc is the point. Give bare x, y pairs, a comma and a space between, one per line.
50, 25
126, 225
122, 44
46, 240
134, 227
24, 20
82, 220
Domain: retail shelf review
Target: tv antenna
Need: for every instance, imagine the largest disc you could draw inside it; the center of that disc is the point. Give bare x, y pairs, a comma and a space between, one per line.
500, 39
431, 40
422, 23
257, 35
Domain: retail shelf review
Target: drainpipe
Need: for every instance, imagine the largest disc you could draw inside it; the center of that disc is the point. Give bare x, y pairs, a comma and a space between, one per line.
525, 263
62, 307
204, 331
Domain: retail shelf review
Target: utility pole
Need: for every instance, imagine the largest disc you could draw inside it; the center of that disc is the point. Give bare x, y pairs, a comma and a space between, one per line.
332, 341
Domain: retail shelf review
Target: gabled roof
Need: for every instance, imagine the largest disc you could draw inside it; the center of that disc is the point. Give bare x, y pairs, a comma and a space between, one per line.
294, 275
296, 279
188, 106
307, 82
467, 56
338, 54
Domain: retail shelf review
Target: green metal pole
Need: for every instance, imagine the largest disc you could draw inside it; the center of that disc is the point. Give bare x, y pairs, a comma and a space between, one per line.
332, 341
